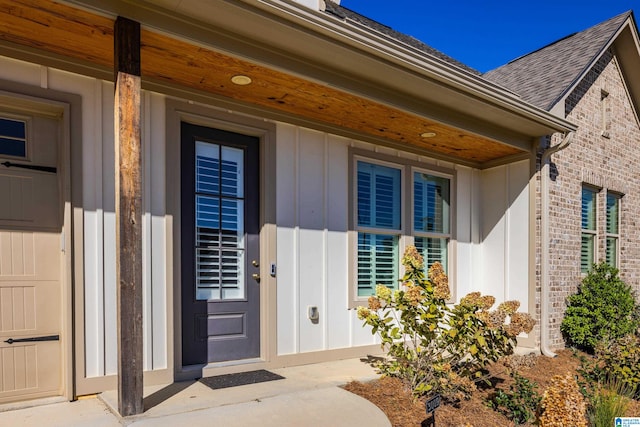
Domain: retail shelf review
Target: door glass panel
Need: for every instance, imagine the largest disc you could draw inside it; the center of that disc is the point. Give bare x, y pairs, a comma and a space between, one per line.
220, 244
207, 168
232, 173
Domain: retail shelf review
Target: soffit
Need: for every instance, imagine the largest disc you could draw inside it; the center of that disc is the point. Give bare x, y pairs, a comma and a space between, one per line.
179, 61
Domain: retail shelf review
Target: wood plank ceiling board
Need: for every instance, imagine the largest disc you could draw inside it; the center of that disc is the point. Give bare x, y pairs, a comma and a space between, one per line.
57, 28
79, 34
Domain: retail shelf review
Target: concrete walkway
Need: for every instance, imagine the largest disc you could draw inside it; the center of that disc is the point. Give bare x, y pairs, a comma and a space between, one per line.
307, 396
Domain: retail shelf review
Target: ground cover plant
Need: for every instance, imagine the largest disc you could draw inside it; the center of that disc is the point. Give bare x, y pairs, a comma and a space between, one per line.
520, 402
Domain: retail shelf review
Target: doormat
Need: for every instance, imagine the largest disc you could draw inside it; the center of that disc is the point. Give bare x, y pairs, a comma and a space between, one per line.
241, 378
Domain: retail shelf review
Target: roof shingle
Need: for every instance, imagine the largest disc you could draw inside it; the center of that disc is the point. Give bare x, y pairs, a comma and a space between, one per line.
542, 77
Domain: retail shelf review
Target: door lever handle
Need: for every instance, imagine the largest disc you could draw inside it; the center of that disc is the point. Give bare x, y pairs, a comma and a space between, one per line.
256, 277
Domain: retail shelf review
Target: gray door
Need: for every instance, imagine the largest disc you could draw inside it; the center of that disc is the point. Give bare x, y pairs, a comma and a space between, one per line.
220, 245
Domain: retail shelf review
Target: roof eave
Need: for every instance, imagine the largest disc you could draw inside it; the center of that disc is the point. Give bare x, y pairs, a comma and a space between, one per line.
370, 65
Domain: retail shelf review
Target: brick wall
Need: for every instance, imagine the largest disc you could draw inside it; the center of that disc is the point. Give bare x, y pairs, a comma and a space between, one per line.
609, 162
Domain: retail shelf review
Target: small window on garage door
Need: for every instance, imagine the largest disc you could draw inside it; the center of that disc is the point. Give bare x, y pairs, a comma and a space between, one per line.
13, 137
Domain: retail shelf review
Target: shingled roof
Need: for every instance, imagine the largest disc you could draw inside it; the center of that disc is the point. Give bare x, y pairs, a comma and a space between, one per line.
348, 15
543, 76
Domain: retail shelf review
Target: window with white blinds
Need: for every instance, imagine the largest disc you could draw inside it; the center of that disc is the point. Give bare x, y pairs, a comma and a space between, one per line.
381, 208
431, 217
378, 223
613, 228
219, 214
589, 229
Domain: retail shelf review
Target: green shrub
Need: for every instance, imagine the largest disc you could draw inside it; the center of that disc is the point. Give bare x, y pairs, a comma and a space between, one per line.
520, 403
435, 348
604, 307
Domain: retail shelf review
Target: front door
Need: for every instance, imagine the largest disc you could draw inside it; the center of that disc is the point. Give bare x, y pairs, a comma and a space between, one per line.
30, 257
220, 245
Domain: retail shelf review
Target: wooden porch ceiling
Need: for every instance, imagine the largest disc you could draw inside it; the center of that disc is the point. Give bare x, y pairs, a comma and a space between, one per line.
88, 37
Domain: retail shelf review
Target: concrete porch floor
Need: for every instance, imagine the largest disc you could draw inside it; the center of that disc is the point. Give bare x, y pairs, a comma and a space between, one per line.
309, 395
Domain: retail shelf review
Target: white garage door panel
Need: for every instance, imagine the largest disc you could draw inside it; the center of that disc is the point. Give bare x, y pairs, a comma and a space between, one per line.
29, 370
30, 270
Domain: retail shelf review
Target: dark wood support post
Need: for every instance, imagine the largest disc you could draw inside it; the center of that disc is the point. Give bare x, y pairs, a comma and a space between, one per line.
128, 215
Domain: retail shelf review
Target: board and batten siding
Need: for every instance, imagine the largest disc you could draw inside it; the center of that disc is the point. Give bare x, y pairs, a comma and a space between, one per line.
503, 262
312, 243
98, 205
489, 252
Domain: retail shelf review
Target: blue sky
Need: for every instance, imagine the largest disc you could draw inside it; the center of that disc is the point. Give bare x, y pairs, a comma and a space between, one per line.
485, 34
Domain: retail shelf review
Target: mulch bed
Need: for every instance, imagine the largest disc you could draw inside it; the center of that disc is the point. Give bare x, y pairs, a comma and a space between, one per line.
390, 395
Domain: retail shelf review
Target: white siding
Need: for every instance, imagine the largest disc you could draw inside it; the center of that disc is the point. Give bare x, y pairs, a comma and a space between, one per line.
311, 238
467, 224
337, 247
98, 192
312, 245
287, 238
503, 253
518, 244
154, 233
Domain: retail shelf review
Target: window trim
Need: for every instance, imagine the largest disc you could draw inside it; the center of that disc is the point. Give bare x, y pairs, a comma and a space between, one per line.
406, 236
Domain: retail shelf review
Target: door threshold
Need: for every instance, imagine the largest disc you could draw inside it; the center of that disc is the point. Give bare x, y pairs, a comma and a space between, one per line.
224, 364
220, 368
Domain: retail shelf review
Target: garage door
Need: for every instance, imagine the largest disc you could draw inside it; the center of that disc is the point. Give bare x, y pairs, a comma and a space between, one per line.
30, 257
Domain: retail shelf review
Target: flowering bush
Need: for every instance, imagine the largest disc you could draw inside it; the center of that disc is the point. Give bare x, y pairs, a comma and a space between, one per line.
433, 347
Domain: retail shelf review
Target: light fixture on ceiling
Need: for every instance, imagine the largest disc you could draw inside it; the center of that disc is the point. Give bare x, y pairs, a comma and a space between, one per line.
428, 134
241, 80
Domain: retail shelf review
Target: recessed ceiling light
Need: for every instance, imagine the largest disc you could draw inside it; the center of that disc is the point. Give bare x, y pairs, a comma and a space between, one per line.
241, 80
428, 134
